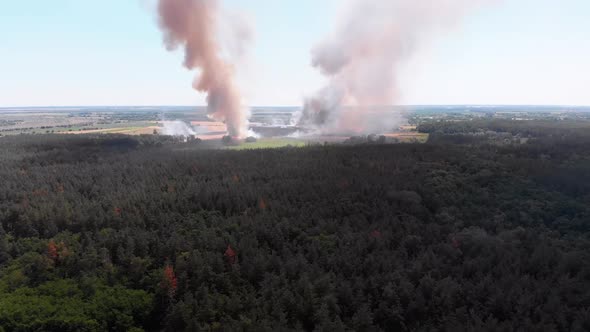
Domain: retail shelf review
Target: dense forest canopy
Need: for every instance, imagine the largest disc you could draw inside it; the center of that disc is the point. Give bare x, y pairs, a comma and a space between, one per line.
117, 233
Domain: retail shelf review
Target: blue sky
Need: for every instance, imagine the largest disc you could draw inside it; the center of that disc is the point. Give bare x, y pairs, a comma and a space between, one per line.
109, 52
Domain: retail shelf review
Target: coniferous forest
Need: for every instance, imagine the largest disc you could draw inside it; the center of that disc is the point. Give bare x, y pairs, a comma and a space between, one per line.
463, 233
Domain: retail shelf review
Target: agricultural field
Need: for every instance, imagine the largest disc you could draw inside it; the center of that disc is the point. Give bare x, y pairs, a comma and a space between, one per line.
77, 121
409, 137
271, 126
270, 143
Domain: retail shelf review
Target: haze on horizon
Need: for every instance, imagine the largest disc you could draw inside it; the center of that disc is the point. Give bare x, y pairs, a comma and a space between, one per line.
67, 53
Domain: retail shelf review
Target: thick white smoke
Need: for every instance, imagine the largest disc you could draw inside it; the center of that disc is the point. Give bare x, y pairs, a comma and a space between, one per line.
362, 57
177, 128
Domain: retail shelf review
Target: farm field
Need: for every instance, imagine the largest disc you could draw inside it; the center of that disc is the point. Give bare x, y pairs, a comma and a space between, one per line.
270, 143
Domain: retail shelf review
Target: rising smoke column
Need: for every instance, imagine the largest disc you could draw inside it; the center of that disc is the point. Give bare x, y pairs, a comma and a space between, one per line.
361, 58
193, 24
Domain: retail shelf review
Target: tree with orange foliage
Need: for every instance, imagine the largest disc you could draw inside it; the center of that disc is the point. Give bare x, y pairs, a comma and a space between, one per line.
230, 255
169, 281
52, 251
57, 251
262, 204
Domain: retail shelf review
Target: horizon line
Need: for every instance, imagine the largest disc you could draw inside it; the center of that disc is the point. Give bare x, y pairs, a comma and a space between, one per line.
290, 106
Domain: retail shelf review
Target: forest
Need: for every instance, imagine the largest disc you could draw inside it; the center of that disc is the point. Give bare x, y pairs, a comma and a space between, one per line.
116, 233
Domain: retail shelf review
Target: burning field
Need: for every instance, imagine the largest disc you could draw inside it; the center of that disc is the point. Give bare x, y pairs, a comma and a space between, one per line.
360, 60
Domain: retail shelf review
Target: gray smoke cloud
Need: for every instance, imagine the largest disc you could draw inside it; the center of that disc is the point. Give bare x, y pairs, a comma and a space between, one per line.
362, 57
195, 25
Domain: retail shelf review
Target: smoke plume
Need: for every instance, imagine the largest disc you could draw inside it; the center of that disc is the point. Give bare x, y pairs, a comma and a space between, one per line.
177, 128
195, 26
362, 56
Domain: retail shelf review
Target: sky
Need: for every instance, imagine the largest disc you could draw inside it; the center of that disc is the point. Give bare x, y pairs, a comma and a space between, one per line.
110, 52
